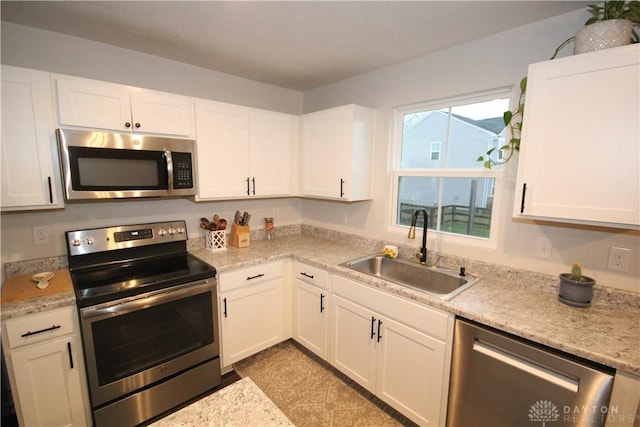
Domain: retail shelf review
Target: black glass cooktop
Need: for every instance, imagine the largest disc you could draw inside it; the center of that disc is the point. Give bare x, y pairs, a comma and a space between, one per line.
97, 284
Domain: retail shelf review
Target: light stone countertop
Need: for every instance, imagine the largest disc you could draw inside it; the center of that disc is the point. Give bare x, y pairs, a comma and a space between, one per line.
522, 303
608, 332
240, 404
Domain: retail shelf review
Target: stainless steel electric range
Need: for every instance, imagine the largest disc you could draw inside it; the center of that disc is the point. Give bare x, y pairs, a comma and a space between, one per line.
148, 319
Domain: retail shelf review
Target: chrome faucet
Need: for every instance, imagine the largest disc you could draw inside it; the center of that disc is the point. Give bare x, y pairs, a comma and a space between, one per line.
412, 233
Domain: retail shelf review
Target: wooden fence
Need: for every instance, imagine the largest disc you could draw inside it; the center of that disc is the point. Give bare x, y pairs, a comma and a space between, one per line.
451, 215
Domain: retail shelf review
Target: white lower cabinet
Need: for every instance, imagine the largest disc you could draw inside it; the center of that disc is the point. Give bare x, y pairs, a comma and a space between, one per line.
311, 308
397, 349
252, 310
46, 369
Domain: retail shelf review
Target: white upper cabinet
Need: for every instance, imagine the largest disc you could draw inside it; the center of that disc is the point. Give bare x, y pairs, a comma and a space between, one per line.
580, 155
101, 105
222, 144
271, 137
243, 152
337, 153
30, 174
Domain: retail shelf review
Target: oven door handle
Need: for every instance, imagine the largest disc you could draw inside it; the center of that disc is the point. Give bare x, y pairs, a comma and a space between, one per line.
139, 302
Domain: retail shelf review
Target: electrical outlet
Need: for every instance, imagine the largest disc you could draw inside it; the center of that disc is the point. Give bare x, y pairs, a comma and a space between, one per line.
41, 235
619, 259
542, 247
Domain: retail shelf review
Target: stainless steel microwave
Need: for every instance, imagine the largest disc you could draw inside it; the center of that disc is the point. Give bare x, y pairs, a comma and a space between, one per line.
104, 165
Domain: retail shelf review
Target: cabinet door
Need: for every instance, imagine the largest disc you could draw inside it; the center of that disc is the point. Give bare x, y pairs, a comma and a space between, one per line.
326, 154
411, 373
30, 177
93, 104
270, 149
311, 317
580, 154
353, 341
223, 150
49, 383
162, 113
252, 319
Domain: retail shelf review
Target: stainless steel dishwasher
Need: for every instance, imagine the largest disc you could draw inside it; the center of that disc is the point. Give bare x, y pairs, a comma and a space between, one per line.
502, 380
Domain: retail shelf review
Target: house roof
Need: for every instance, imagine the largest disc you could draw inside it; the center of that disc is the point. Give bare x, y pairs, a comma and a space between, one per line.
493, 124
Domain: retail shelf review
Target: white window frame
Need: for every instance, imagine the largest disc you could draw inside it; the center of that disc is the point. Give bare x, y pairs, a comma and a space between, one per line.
497, 172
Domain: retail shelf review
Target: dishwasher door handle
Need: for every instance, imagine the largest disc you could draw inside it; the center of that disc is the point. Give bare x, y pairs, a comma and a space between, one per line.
526, 366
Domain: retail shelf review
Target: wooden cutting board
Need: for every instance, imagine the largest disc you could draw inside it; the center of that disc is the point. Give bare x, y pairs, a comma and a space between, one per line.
19, 288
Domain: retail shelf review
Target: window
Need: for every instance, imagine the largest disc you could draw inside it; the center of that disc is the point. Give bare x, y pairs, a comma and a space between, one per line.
438, 144
435, 150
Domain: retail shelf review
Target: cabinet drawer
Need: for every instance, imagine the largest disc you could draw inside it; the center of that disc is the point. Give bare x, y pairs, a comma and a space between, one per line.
433, 322
314, 275
40, 327
250, 275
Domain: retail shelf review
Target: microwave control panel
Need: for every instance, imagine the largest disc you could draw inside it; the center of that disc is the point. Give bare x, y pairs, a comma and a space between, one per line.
182, 170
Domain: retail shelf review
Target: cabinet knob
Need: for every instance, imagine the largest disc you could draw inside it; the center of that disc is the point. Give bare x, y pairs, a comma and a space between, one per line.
137, 125
127, 125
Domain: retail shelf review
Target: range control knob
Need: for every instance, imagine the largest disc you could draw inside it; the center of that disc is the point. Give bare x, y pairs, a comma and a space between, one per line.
89, 241
76, 242
172, 230
162, 232
180, 230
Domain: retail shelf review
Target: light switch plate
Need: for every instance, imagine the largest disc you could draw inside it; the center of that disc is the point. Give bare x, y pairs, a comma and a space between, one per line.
542, 247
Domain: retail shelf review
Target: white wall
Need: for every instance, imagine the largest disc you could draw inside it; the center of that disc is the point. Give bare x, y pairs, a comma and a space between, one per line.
59, 53
492, 62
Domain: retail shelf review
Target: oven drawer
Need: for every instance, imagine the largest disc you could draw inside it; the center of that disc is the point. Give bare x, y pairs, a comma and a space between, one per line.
249, 275
40, 327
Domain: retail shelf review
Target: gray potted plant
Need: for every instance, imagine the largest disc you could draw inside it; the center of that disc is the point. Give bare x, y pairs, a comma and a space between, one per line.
575, 289
610, 26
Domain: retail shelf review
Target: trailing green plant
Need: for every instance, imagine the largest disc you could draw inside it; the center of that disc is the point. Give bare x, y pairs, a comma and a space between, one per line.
513, 124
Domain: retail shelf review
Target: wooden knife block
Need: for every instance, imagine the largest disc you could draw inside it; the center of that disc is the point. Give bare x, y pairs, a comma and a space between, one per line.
239, 236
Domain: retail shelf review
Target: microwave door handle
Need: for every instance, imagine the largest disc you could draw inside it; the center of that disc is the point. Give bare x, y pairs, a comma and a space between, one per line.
167, 155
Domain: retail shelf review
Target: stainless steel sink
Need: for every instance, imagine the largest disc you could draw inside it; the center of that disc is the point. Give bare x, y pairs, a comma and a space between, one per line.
437, 281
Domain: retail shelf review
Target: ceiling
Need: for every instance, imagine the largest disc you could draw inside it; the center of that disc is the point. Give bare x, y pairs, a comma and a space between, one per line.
294, 44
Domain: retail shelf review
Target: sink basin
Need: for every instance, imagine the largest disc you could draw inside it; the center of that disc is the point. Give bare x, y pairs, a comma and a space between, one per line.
436, 281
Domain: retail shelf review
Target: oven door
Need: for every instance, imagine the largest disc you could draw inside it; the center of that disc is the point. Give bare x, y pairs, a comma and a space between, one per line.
135, 342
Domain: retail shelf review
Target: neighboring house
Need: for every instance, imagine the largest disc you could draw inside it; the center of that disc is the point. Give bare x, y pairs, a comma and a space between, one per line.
424, 146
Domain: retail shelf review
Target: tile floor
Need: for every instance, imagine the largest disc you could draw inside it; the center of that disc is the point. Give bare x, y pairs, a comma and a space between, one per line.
312, 393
